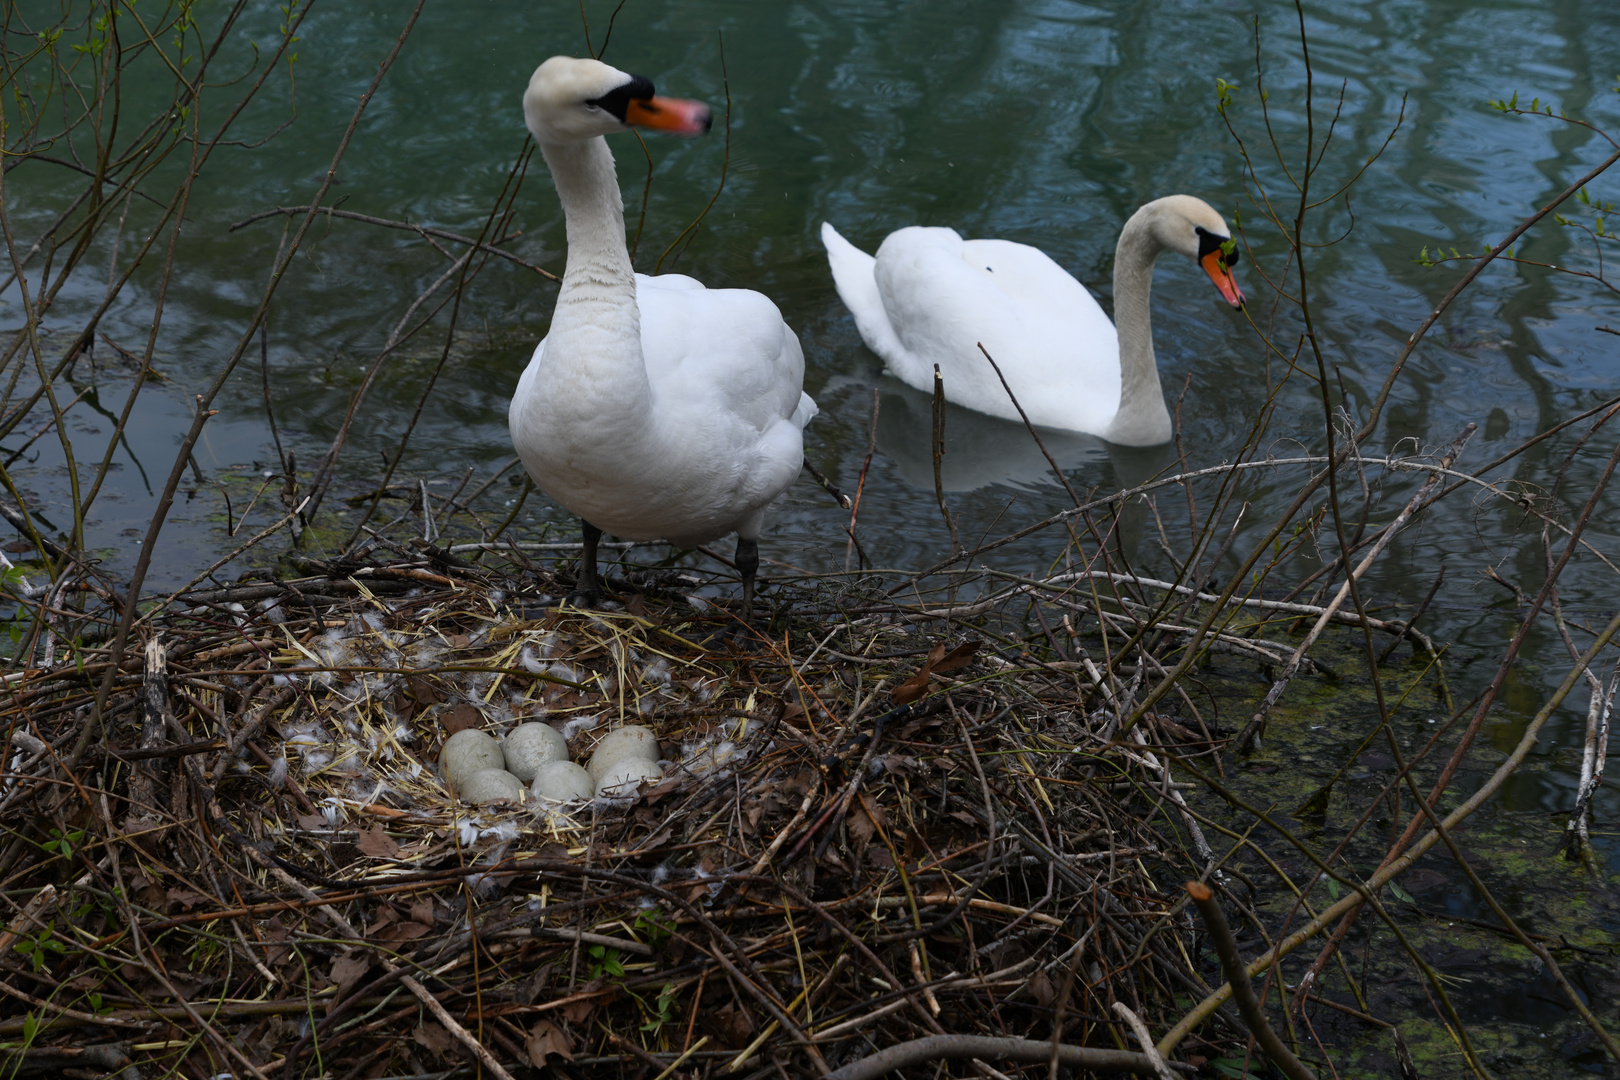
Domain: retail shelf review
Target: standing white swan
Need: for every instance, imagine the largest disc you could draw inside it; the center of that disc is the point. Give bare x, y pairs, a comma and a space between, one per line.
655, 409
930, 297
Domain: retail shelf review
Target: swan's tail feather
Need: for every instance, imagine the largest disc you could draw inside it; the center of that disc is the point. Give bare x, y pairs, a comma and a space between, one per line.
852, 271
805, 412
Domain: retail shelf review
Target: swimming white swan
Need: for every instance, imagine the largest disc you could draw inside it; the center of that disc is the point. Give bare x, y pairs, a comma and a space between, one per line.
655, 409
930, 297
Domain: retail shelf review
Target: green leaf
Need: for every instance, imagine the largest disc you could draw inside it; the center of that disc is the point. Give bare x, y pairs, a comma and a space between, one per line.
654, 927
1401, 894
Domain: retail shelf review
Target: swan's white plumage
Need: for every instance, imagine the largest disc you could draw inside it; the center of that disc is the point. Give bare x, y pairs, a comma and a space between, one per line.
655, 409
720, 439
930, 297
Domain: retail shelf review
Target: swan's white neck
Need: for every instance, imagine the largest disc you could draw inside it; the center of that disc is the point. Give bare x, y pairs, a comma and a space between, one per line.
596, 327
1142, 419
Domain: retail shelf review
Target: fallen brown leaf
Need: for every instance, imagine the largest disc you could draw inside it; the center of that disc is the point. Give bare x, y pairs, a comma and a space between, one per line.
580, 1012
460, 717
185, 898
377, 843
433, 1036
958, 657
422, 690
730, 1025
861, 831
546, 1039
912, 689
347, 970
386, 916
1040, 988
938, 662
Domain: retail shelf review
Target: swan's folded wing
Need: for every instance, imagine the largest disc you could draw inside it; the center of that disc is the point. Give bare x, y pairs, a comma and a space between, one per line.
946, 297
778, 457
1056, 347
677, 282
726, 351
942, 309
805, 412
727, 378
1033, 279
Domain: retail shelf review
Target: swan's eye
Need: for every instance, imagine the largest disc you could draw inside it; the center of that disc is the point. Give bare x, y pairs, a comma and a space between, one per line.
617, 100
1208, 243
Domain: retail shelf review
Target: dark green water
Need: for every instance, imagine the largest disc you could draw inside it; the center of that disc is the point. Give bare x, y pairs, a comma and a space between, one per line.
1043, 122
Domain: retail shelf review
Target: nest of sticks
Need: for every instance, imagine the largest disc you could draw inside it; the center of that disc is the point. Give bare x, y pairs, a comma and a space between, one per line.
879, 829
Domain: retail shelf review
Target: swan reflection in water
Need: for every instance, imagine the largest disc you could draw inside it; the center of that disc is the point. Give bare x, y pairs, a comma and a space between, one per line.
983, 450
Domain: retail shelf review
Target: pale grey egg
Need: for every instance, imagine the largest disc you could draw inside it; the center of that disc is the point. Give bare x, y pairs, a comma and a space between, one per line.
468, 751
562, 781
491, 786
629, 741
529, 746
624, 777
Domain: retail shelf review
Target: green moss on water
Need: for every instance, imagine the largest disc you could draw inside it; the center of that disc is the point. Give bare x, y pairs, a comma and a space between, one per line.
1322, 762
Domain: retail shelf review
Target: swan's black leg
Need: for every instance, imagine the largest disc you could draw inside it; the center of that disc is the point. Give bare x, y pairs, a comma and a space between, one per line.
587, 586
747, 566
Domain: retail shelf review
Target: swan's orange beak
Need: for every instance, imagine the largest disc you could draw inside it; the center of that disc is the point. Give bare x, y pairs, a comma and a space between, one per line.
669, 114
1216, 266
